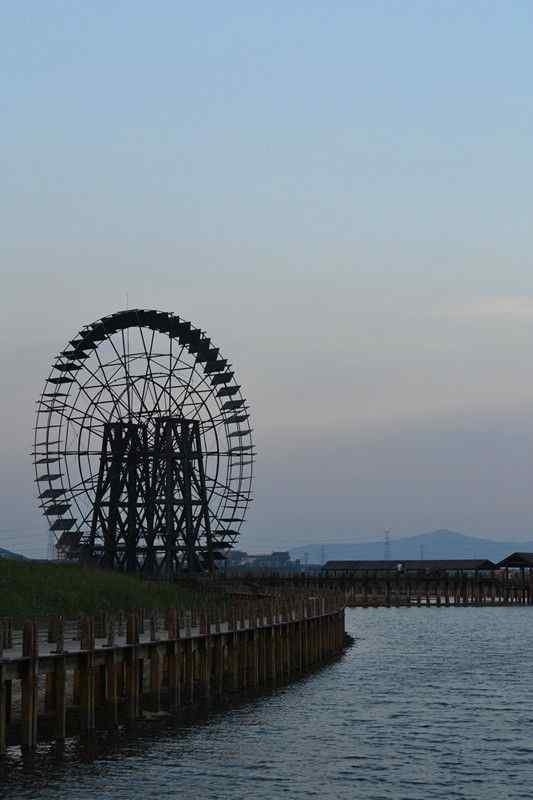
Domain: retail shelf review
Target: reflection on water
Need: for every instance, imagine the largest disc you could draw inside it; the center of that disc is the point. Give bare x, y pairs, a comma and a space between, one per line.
428, 703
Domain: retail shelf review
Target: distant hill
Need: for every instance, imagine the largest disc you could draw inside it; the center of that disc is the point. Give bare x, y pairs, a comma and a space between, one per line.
10, 554
437, 544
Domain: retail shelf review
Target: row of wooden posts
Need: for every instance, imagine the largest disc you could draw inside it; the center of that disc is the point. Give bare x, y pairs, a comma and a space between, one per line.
429, 592
105, 671
406, 590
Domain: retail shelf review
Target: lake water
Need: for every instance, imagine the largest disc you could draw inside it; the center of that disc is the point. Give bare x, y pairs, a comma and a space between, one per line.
427, 704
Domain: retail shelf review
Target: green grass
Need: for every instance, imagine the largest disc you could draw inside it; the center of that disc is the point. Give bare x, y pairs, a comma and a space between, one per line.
29, 588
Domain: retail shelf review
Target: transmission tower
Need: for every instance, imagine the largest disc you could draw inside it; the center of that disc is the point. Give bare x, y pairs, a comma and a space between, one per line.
386, 546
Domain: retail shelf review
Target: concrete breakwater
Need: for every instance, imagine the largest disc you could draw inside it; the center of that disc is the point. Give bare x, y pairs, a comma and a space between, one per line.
62, 677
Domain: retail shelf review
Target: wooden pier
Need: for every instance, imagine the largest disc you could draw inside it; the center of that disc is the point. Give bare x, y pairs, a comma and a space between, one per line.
62, 677
434, 593
368, 591
451, 591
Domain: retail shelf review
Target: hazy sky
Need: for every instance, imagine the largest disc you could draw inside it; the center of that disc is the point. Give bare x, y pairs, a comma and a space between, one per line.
339, 193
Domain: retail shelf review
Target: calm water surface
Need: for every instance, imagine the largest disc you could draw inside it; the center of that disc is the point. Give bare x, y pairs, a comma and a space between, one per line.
428, 703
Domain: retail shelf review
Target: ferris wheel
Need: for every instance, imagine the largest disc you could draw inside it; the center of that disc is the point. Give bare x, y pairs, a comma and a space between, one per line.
143, 446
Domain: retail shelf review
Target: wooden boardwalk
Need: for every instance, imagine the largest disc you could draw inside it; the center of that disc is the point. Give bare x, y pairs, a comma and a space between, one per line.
450, 592
411, 590
62, 676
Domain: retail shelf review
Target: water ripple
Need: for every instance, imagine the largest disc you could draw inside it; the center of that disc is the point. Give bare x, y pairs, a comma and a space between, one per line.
428, 703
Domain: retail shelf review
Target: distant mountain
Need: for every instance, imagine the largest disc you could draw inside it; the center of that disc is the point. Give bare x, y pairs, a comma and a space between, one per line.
9, 554
437, 544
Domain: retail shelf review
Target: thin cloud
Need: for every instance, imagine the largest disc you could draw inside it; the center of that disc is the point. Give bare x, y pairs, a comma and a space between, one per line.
513, 307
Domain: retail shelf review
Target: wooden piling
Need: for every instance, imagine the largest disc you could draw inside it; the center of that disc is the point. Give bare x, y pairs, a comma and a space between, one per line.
87, 673
132, 668
29, 687
156, 662
3, 712
188, 667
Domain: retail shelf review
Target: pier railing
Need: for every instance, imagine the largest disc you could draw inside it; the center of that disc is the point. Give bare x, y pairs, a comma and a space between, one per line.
414, 590
73, 675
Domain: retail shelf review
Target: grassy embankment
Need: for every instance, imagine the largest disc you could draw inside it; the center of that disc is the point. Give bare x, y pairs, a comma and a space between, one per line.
29, 588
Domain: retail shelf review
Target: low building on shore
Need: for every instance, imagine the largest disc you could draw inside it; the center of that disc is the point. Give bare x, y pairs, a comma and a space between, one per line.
279, 561
387, 568
517, 561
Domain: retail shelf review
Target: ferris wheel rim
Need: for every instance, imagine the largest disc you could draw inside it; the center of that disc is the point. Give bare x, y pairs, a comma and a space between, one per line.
217, 375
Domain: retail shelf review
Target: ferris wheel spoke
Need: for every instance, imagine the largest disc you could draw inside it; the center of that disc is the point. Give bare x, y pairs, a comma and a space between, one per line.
187, 387
75, 420
202, 382
228, 491
232, 454
216, 421
122, 368
165, 375
237, 499
105, 385
127, 376
228, 501
81, 388
204, 402
212, 422
148, 371
85, 519
168, 376
172, 370
78, 452
91, 399
126, 370
107, 382
75, 489
169, 393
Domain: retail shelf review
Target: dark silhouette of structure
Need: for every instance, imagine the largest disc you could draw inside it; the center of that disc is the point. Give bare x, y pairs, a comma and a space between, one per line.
143, 447
151, 499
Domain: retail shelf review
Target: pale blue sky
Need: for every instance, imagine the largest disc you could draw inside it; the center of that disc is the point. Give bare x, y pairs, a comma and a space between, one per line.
340, 193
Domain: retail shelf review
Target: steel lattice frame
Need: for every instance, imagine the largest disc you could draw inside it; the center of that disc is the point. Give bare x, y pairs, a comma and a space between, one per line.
140, 366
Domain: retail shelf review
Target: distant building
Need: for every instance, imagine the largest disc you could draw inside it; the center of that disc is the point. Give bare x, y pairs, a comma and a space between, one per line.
448, 566
236, 557
521, 561
67, 546
277, 561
